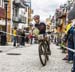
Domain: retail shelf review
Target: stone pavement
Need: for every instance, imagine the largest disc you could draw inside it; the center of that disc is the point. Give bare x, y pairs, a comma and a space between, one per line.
27, 60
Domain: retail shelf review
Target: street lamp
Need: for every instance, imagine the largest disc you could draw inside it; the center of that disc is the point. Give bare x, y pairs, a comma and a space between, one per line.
5, 4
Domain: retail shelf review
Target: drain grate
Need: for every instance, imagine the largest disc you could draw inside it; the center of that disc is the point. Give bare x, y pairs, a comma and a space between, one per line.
1, 51
13, 54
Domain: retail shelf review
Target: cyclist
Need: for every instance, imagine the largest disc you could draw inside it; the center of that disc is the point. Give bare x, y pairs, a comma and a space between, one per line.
41, 26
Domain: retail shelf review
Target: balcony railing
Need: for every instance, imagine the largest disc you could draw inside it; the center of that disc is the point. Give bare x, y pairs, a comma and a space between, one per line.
19, 19
20, 3
15, 18
22, 19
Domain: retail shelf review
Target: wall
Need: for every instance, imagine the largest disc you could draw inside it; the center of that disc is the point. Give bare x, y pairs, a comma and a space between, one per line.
9, 21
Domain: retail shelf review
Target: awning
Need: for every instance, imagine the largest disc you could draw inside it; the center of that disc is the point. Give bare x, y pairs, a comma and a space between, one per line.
2, 12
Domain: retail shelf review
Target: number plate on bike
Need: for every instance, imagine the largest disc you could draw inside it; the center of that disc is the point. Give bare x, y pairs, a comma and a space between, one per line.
40, 37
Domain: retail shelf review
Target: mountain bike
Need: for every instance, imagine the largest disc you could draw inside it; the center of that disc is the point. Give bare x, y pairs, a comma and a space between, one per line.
44, 49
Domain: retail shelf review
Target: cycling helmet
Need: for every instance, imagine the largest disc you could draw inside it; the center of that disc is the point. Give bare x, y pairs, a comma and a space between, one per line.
36, 17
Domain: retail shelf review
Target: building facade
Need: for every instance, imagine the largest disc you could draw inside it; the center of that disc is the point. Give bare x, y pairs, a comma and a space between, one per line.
21, 13
18, 14
2, 16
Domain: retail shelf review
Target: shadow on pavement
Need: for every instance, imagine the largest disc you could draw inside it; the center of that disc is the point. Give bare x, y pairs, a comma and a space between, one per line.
13, 54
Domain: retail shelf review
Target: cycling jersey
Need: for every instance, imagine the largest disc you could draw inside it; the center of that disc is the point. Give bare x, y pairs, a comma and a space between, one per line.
42, 27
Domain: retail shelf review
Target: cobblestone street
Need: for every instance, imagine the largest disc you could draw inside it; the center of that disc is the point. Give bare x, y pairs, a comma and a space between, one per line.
27, 60
26, 23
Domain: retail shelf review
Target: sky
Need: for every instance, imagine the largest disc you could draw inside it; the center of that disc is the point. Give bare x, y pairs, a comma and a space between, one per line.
45, 8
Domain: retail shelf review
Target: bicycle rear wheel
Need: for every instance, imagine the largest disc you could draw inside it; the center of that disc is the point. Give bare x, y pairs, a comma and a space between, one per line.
42, 54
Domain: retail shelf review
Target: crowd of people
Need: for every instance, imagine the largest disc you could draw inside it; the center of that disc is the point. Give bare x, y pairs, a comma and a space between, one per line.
22, 36
67, 43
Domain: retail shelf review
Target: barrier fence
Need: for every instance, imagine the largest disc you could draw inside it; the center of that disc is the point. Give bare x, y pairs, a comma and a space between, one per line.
12, 34
28, 33
68, 48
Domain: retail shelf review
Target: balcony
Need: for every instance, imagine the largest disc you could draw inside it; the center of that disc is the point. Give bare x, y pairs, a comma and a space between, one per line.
19, 19
61, 14
20, 3
17, 1
15, 19
22, 19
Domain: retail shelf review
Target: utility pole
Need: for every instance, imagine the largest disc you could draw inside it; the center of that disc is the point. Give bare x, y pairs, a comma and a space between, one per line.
6, 4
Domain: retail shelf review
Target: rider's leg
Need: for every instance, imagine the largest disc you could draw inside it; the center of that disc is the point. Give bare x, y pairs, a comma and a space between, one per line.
48, 48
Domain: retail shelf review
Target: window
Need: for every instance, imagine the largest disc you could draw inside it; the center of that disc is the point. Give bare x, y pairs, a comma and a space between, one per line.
16, 11
1, 3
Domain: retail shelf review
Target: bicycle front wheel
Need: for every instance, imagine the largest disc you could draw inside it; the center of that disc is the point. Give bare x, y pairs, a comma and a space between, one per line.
42, 54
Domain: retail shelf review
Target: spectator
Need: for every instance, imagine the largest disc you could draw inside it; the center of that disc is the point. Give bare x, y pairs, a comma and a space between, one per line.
23, 38
18, 37
69, 37
14, 36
